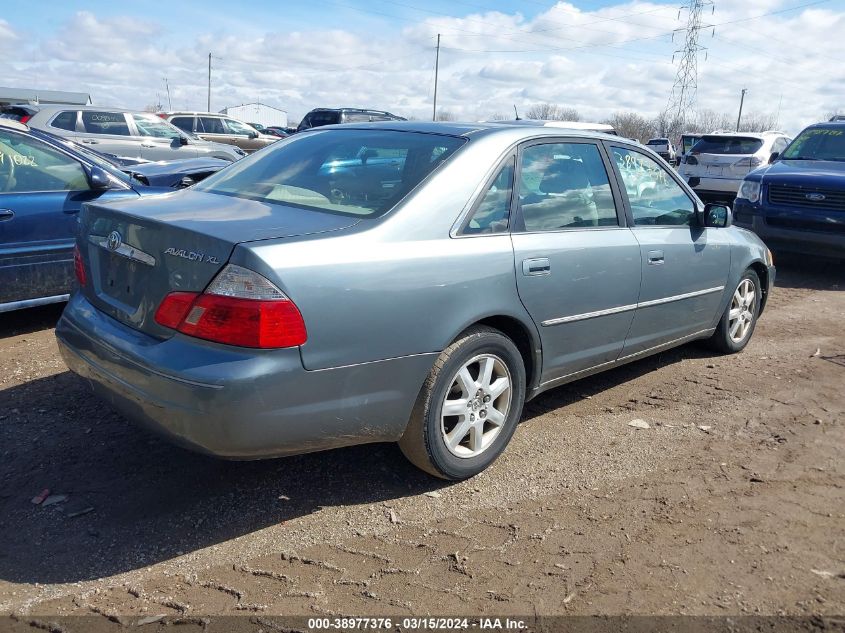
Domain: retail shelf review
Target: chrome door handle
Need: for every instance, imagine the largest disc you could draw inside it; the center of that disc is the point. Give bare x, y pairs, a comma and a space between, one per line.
147, 145
655, 258
536, 266
90, 141
6, 214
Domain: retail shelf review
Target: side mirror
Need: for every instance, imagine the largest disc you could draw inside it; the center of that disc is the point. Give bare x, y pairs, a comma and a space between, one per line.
717, 216
774, 157
253, 135
99, 179
183, 140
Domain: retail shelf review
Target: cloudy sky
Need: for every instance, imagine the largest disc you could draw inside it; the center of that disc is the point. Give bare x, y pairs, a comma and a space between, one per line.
599, 57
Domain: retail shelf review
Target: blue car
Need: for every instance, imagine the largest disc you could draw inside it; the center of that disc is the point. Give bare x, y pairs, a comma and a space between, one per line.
797, 202
43, 184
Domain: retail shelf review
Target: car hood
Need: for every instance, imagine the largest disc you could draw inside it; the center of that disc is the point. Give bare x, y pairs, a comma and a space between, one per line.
228, 218
810, 172
182, 166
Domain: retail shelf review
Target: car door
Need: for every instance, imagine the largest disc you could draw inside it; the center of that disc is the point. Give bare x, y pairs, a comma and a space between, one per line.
108, 133
211, 128
684, 266
159, 139
41, 193
577, 263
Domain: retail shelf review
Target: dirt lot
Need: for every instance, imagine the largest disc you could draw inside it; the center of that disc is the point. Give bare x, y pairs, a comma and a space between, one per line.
731, 503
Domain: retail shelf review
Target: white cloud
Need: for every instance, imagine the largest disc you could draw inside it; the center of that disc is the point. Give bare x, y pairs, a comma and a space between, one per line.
613, 59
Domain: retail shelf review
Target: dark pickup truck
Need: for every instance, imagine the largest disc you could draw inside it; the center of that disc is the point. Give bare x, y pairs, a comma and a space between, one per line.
797, 202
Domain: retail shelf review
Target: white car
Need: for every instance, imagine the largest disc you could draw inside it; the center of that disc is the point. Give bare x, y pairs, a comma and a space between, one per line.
717, 164
663, 147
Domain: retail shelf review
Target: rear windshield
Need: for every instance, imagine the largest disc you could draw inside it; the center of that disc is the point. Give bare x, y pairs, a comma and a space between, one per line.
361, 173
818, 143
317, 119
658, 141
727, 145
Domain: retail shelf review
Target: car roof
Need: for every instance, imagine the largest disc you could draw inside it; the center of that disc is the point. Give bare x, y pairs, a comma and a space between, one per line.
758, 135
472, 130
195, 113
832, 123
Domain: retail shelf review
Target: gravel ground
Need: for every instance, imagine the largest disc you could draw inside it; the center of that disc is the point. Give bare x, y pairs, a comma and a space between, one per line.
731, 502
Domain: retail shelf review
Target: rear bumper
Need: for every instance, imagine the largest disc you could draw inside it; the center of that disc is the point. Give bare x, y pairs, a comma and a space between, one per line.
705, 185
234, 402
807, 242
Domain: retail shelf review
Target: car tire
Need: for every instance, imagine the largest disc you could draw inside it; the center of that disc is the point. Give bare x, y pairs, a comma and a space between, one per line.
481, 378
740, 317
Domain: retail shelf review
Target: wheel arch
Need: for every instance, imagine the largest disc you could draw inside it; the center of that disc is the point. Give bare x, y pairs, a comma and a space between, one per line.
763, 273
525, 338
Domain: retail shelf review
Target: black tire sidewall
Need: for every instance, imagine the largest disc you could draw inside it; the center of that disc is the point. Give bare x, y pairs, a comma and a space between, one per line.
451, 466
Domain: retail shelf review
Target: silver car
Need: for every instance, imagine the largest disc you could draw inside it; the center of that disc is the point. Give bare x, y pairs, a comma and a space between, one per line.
403, 281
125, 133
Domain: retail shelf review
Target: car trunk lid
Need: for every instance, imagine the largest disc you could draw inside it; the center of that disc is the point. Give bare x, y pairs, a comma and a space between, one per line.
136, 254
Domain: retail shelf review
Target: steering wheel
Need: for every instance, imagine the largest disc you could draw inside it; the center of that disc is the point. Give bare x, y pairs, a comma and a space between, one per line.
7, 172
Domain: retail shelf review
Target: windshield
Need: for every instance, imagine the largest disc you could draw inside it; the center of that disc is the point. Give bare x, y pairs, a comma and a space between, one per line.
658, 141
727, 145
362, 173
818, 143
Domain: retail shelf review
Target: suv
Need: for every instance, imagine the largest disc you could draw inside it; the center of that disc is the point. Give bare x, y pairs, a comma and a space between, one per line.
664, 148
716, 165
220, 128
797, 203
331, 116
118, 132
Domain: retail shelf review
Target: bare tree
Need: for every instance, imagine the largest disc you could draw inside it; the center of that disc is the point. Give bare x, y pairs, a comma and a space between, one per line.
499, 117
552, 112
632, 125
445, 115
151, 108
757, 122
711, 121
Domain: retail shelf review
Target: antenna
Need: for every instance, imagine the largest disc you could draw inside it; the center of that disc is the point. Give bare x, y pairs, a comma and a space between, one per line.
516, 112
682, 97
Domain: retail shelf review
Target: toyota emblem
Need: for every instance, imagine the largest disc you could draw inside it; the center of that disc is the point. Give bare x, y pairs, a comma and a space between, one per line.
113, 241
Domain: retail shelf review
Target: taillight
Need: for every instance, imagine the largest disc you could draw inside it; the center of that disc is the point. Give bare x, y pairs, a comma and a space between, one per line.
751, 161
240, 307
79, 267
25, 118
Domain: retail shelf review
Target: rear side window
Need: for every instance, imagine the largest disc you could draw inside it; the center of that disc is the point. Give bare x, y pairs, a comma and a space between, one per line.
210, 125
493, 211
105, 123
727, 145
563, 186
356, 172
65, 121
184, 123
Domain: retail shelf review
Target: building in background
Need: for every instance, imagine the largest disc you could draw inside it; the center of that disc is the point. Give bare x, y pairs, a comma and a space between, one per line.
34, 96
257, 113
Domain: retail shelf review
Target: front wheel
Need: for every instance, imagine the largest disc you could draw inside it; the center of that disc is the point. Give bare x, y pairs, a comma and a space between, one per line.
737, 323
468, 407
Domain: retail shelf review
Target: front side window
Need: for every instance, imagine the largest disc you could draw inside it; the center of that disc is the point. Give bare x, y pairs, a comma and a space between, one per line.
65, 121
28, 165
351, 172
493, 211
236, 127
152, 125
105, 123
655, 197
565, 185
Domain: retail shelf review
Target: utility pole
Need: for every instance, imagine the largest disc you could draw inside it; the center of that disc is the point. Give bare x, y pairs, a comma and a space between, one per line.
169, 102
741, 101
436, 69
682, 98
208, 109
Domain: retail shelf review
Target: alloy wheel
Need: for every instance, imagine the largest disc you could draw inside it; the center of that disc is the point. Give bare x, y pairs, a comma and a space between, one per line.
741, 315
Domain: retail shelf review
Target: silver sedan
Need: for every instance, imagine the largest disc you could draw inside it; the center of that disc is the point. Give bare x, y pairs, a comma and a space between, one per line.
410, 282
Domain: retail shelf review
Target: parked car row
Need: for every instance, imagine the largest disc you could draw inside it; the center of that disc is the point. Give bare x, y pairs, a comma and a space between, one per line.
44, 181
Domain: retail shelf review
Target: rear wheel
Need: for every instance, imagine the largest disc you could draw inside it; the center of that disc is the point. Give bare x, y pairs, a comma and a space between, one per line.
468, 407
737, 323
